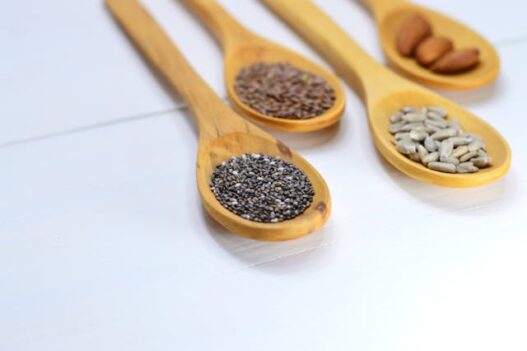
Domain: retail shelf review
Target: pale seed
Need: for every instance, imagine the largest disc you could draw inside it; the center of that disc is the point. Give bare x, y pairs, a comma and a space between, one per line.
468, 156
430, 144
452, 160
467, 167
442, 167
459, 151
431, 157
405, 147
444, 133
481, 162
446, 148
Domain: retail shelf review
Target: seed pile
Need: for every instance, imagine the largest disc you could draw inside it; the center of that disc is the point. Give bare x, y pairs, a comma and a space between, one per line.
262, 188
281, 90
416, 39
426, 135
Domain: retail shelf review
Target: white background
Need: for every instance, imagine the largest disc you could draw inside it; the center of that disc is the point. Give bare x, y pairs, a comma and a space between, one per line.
104, 244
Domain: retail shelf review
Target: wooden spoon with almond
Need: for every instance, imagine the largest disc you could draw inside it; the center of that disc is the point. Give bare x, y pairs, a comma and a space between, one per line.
473, 68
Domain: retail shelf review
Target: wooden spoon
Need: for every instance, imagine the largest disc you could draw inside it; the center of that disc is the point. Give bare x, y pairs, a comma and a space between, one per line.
243, 48
389, 15
384, 93
223, 133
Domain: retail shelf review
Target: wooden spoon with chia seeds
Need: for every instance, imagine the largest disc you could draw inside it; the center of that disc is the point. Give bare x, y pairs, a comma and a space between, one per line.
384, 93
390, 14
243, 48
223, 133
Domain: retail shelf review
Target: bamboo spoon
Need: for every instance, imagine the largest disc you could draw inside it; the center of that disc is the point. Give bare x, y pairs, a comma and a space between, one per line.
385, 93
389, 15
243, 48
223, 133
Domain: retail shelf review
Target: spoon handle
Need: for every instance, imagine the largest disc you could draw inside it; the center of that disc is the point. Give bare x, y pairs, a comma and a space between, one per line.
154, 43
381, 7
227, 30
369, 78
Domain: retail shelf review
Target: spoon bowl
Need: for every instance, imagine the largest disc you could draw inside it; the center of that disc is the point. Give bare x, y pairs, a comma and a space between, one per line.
223, 133
389, 16
243, 48
267, 52
238, 143
385, 93
497, 147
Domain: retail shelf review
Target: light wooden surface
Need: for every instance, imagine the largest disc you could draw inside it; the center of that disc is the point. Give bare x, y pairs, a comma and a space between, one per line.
389, 15
385, 93
243, 48
222, 133
105, 244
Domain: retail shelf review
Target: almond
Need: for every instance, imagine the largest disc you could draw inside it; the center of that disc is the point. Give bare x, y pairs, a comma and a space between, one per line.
457, 61
431, 49
414, 30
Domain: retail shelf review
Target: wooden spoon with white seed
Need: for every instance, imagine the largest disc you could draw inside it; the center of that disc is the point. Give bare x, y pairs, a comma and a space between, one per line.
223, 134
384, 93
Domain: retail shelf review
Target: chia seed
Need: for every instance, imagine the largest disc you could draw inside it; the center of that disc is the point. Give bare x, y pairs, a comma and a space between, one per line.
262, 188
284, 91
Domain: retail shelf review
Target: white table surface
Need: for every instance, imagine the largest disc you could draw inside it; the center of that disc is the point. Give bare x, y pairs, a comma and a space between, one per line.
105, 246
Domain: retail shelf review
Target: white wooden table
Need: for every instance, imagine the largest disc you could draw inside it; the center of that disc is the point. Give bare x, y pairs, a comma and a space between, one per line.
104, 244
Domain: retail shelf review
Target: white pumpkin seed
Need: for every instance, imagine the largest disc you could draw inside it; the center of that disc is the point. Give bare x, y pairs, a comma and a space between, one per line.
458, 140
422, 151
415, 125
396, 127
418, 135
452, 160
482, 153
481, 162
466, 167
430, 144
436, 123
439, 110
435, 116
414, 117
476, 145
446, 148
431, 129
400, 136
442, 167
459, 151
431, 157
396, 117
405, 147
444, 134
414, 157
468, 156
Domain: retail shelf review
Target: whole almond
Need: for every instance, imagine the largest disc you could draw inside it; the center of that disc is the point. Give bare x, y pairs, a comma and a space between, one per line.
431, 49
456, 61
412, 32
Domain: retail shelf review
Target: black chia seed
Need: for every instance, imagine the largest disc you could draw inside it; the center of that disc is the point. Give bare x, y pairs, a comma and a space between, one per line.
262, 188
284, 91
